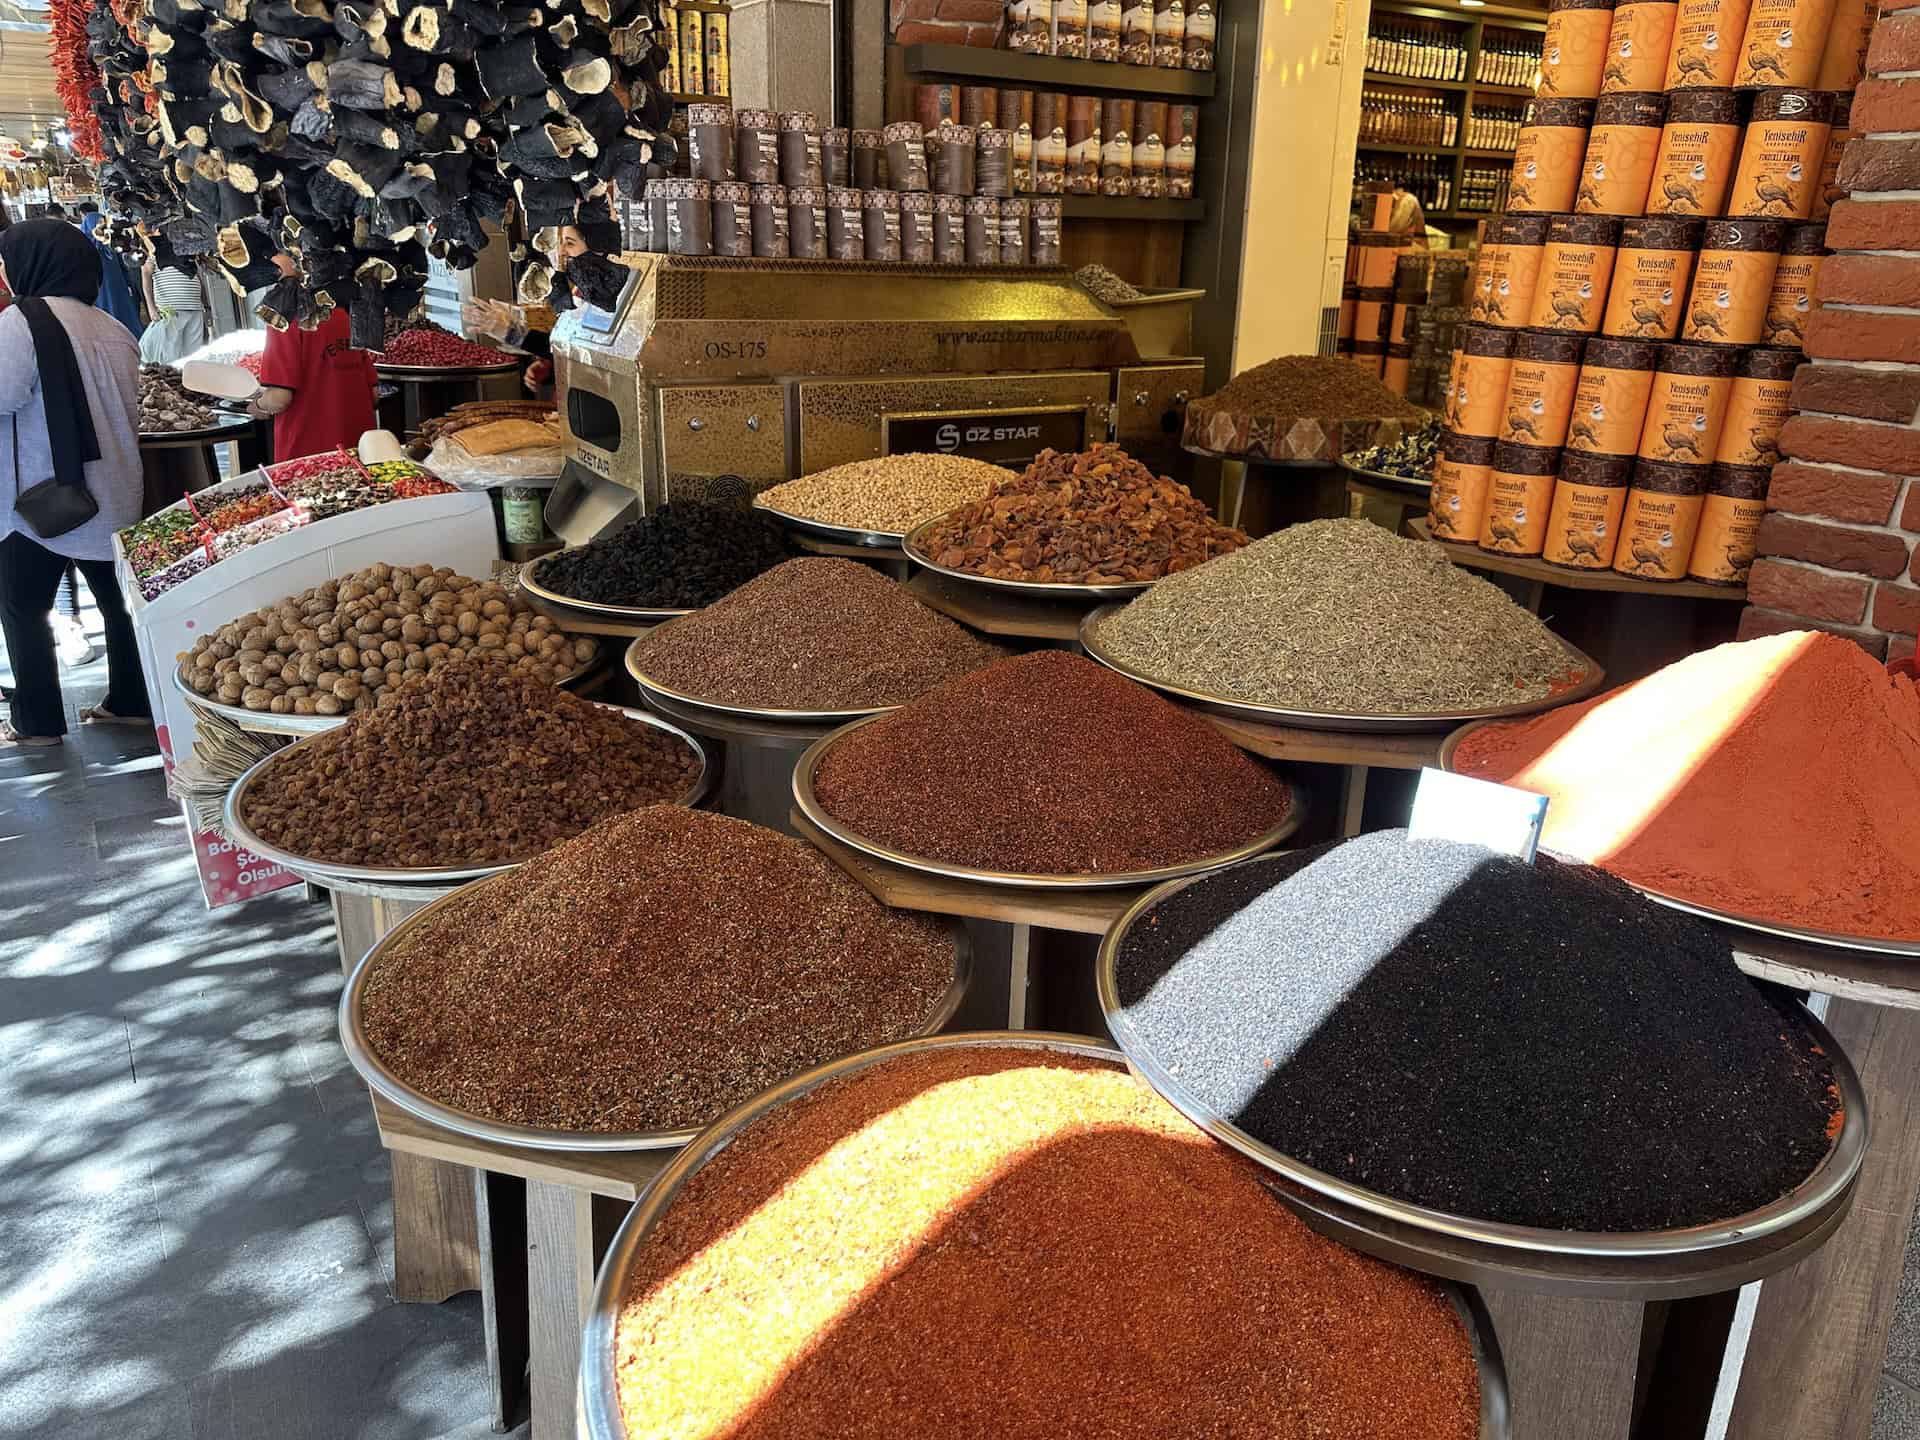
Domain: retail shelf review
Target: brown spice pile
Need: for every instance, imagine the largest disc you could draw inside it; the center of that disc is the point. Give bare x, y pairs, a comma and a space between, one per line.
463, 766
650, 974
1307, 386
815, 634
1048, 764
929, 1246
1098, 517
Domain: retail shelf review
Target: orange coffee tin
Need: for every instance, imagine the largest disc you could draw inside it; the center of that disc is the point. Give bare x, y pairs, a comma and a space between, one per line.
1574, 51
1540, 388
1637, 47
1575, 270
1457, 502
1610, 397
1784, 43
1790, 303
1519, 495
1706, 44
1650, 274
1782, 154
1732, 280
1618, 169
1477, 394
1547, 157
1660, 519
1583, 524
1694, 166
1687, 408
1728, 533
1758, 403
1508, 269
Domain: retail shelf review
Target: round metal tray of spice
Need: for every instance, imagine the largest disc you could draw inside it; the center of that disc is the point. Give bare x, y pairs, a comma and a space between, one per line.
876, 502
795, 1265
684, 555
632, 985
1352, 1049
459, 774
593, 609
837, 534
914, 545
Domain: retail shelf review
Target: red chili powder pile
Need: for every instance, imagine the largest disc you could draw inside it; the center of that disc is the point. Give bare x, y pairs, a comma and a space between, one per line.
1004, 1245
1777, 779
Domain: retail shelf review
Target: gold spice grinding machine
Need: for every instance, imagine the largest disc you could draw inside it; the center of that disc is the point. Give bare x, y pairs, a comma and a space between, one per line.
713, 378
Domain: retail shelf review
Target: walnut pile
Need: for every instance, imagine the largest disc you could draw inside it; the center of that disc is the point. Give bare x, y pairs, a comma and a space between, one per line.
165, 408
1098, 517
345, 644
465, 765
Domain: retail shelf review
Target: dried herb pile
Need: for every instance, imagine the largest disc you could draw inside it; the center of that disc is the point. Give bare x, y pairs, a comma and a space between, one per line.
1048, 764
681, 557
1458, 1041
1338, 617
812, 634
800, 1281
650, 974
1098, 517
464, 765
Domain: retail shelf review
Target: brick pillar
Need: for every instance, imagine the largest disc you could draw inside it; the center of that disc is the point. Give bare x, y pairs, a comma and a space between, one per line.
946, 22
1837, 546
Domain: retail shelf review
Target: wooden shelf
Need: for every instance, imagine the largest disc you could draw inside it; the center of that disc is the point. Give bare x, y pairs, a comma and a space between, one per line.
683, 98
1539, 571
1506, 155
1115, 207
1054, 73
1376, 77
1486, 89
1389, 147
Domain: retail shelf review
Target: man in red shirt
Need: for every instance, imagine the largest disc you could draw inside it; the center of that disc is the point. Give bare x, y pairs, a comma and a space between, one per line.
318, 389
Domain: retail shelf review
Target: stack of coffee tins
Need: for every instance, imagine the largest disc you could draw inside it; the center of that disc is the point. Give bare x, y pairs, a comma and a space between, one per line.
1375, 316
1638, 310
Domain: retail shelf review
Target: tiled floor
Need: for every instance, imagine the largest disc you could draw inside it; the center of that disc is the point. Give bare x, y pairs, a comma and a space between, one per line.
194, 1206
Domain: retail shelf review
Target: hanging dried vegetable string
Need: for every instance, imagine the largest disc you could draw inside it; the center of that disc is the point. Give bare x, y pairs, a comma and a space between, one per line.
75, 75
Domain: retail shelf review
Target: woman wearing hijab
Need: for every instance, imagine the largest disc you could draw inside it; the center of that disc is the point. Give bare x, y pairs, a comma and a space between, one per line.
69, 395
508, 323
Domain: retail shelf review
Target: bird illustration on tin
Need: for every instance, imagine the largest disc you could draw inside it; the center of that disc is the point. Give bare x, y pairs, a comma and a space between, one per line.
1762, 61
1704, 319
1765, 445
1649, 318
1583, 429
1684, 439
1652, 558
1771, 192
1684, 194
1589, 193
1617, 75
1588, 545
1688, 64
1739, 566
1526, 422
1508, 533
1571, 310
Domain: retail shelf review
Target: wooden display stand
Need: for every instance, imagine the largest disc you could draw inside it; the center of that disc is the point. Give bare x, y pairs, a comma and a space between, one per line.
1004, 613
756, 758
1357, 752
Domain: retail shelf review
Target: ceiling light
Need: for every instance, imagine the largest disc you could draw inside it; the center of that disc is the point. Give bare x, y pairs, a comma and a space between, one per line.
1473, 4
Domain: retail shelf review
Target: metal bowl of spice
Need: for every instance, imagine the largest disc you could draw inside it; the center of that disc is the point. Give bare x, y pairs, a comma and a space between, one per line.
323, 872
591, 609
1624, 1263
836, 534
853, 1128
1051, 589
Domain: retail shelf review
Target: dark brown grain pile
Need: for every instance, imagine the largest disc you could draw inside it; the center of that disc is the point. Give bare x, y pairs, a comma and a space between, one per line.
1312, 386
649, 974
1048, 764
1098, 517
815, 634
461, 766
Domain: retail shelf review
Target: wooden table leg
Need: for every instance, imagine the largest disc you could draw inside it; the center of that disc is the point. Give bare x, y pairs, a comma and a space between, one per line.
1353, 801
1019, 977
568, 1231
502, 1204
1571, 1364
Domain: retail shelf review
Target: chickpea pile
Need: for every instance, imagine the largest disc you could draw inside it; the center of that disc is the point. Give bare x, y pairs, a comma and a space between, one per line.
347, 643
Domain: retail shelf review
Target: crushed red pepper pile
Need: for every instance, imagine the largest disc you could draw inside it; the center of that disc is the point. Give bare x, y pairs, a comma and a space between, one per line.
1072, 1256
1777, 779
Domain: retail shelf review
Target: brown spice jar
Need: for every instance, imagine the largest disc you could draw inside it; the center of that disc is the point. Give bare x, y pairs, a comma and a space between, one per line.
880, 216
1150, 150
953, 168
1508, 269
1547, 156
1790, 303
1706, 44
1786, 141
979, 105
1660, 520
993, 162
1650, 275
1694, 165
800, 159
1618, 169
1758, 403
1478, 393
1049, 143
1638, 46
868, 160
1116, 147
1784, 42
1136, 32
846, 225
771, 238
1170, 34
1575, 270
1731, 281
1015, 217
936, 105
1044, 246
1519, 495
1729, 528
1573, 52
1610, 398
1103, 30
1583, 524
756, 136
1688, 406
1540, 386
710, 142
906, 156
1457, 503
732, 219
1069, 29
982, 228
806, 223
949, 230
916, 229
1083, 145
1016, 118
689, 215
836, 157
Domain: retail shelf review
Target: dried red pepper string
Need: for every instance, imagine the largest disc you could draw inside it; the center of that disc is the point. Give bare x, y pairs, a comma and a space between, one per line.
75, 75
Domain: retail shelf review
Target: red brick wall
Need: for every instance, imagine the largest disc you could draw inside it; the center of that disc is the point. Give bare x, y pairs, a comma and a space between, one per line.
947, 22
1837, 548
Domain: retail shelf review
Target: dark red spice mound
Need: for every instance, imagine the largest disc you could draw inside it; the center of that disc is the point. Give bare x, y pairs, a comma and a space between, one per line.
1048, 764
438, 348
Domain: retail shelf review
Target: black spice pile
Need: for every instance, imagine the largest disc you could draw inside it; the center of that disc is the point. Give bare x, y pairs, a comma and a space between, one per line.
1532, 1044
681, 557
463, 765
1048, 764
650, 974
812, 634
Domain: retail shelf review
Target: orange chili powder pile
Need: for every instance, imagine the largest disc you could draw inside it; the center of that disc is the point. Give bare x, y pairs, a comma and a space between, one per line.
1006, 1245
1777, 779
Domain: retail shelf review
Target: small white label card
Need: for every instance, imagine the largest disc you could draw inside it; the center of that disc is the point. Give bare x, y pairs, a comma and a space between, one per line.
1477, 812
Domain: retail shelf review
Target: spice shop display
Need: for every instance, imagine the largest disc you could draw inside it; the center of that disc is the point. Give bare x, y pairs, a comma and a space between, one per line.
882, 499
643, 978
462, 767
1409, 458
1677, 785
1002, 772
1338, 620
1091, 519
338, 647
1101, 283
812, 637
165, 408
684, 555
793, 1272
1297, 407
1262, 998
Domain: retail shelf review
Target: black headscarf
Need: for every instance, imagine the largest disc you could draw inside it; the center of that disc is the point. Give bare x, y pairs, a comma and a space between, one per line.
46, 258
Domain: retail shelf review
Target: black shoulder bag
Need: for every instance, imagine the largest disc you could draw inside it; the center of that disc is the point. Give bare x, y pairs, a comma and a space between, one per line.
50, 507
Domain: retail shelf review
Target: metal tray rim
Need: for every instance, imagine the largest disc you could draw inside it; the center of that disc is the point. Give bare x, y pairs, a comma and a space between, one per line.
232, 423
1756, 924
1828, 1181
428, 372
530, 583
532, 1137
321, 872
1590, 684
1048, 590
844, 534
649, 686
599, 1404
815, 812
